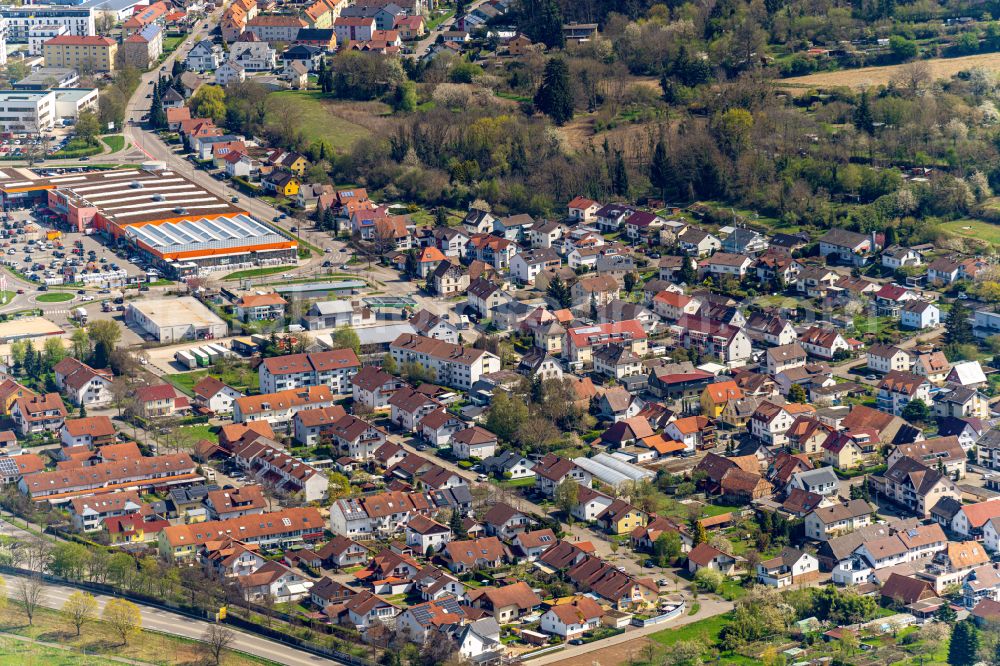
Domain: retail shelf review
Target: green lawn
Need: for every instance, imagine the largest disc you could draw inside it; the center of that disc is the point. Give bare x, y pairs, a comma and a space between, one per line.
707, 631
439, 19
114, 141
16, 653
240, 378
201, 431
974, 229
256, 272
518, 483
710, 510
54, 297
96, 639
171, 43
320, 120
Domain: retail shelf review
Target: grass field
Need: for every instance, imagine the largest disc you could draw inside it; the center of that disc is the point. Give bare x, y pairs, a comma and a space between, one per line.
241, 379
54, 297
940, 68
200, 432
256, 272
114, 141
710, 510
706, 631
974, 229
17, 653
97, 639
319, 121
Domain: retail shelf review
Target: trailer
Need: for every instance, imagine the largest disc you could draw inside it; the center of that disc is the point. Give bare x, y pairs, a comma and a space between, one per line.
200, 357
211, 353
186, 359
219, 349
80, 315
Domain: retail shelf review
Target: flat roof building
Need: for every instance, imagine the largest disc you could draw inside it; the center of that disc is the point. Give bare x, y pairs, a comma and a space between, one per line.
27, 110
183, 228
29, 327
176, 319
46, 78
21, 18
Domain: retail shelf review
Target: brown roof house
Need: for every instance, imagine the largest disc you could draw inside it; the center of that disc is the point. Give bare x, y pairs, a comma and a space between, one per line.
507, 603
904, 590
704, 556
485, 553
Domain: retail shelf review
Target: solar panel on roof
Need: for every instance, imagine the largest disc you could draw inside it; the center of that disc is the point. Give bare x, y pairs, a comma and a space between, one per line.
8, 467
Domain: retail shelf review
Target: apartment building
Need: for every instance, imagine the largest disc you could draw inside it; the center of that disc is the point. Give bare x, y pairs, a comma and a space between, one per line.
277, 529
452, 365
130, 474
280, 407
93, 53
20, 19
330, 368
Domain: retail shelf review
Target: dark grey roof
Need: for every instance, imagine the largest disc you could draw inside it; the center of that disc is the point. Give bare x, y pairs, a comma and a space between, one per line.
946, 508
843, 238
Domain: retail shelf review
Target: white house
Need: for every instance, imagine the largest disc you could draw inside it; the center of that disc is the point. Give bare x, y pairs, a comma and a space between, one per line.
230, 71
791, 567
215, 395
571, 620
897, 256
527, 265
886, 358
203, 57
423, 534
919, 315
82, 384
474, 442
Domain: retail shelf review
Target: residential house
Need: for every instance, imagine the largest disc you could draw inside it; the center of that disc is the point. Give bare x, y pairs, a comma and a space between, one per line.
898, 388
915, 486
827, 522
847, 247
918, 315
791, 567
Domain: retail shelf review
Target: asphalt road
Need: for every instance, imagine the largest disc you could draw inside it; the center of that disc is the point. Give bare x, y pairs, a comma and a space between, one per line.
155, 619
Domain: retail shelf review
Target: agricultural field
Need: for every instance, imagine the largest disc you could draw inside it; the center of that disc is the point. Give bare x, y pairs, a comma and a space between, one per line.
869, 77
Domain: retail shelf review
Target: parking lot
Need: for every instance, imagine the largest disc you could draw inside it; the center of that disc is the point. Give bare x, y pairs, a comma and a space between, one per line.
72, 257
20, 144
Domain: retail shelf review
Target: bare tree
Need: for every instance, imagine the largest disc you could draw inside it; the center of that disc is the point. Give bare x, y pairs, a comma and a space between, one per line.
35, 554
914, 75
215, 641
28, 592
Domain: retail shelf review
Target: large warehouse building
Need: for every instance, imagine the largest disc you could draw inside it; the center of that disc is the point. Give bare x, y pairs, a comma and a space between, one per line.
183, 228
175, 319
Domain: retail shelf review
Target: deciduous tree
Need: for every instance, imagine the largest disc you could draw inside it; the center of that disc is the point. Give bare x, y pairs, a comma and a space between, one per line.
28, 591
215, 641
123, 617
81, 609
